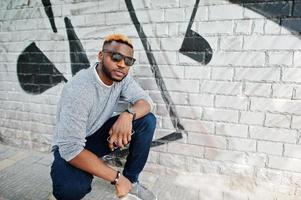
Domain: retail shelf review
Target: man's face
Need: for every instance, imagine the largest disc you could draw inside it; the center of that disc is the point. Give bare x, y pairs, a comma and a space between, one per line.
114, 70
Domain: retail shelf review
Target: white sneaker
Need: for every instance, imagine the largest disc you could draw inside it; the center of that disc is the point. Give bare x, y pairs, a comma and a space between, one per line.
51, 197
140, 192
130, 197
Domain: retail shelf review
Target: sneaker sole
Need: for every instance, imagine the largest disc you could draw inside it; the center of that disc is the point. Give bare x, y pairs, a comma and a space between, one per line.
130, 197
133, 197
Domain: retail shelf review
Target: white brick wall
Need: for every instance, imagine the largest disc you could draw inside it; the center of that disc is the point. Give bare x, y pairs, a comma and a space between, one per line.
241, 111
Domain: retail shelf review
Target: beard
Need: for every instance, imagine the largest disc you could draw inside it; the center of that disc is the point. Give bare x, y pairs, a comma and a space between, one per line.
108, 74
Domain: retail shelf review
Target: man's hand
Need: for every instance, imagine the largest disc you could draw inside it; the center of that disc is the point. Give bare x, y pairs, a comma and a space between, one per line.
122, 187
120, 133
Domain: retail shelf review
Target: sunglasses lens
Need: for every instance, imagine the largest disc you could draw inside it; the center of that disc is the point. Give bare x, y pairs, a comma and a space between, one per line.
116, 57
129, 61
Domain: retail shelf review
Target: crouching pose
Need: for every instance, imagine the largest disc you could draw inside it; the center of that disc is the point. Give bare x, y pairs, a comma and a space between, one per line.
85, 129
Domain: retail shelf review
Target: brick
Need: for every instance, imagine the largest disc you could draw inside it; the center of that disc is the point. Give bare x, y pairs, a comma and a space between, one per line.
231, 43
272, 27
186, 149
173, 30
297, 58
291, 75
161, 30
271, 43
280, 58
270, 148
194, 164
255, 118
231, 169
258, 89
229, 12
231, 102
273, 134
165, 4
258, 26
198, 126
94, 19
117, 18
150, 16
83, 8
287, 164
207, 140
171, 44
282, 90
220, 115
175, 161
197, 72
292, 150
162, 58
243, 27
222, 73
201, 100
273, 105
174, 15
257, 74
182, 85
168, 71
232, 130
235, 157
215, 27
239, 144
221, 87
148, 83
189, 112
277, 120
238, 59
270, 175
201, 14
296, 122
292, 24
161, 110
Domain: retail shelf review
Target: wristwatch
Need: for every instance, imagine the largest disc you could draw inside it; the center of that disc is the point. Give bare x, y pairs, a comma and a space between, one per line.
116, 178
131, 111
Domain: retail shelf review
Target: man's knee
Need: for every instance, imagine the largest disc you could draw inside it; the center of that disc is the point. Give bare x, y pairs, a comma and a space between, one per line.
150, 121
70, 191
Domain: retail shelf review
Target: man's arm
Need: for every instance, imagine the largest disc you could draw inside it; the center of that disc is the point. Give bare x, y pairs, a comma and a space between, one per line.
89, 162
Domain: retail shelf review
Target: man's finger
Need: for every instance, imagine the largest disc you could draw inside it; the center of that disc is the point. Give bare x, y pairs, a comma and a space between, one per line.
119, 142
125, 140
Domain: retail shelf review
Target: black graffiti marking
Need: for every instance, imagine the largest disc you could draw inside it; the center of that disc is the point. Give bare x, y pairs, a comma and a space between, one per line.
155, 70
194, 45
78, 56
285, 13
49, 13
35, 71
168, 138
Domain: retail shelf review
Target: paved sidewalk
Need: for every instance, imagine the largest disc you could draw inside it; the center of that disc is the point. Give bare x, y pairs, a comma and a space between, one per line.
24, 175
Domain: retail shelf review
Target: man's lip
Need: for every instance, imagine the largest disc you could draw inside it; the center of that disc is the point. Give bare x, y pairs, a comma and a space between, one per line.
117, 71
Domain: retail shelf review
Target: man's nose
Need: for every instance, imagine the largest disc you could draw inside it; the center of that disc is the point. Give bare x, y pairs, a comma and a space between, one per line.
121, 63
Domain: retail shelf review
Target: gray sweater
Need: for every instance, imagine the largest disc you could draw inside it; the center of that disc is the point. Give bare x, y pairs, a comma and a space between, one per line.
86, 103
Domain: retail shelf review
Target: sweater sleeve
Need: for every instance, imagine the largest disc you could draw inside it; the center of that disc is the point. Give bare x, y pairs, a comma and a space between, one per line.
71, 123
132, 92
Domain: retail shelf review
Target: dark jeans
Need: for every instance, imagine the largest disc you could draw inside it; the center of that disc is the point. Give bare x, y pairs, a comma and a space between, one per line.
72, 183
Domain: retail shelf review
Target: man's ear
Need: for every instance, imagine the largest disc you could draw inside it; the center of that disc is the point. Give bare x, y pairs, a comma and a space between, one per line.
100, 56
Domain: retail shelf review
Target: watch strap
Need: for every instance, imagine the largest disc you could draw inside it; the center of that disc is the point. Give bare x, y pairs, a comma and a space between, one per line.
116, 178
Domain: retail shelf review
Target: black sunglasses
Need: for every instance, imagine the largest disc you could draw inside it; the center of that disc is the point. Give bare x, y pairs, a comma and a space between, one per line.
117, 57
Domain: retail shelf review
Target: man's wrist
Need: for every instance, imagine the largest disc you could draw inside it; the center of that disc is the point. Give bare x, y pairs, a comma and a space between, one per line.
132, 112
115, 181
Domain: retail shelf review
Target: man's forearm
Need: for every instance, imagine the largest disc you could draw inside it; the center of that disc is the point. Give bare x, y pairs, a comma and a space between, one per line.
89, 162
141, 108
